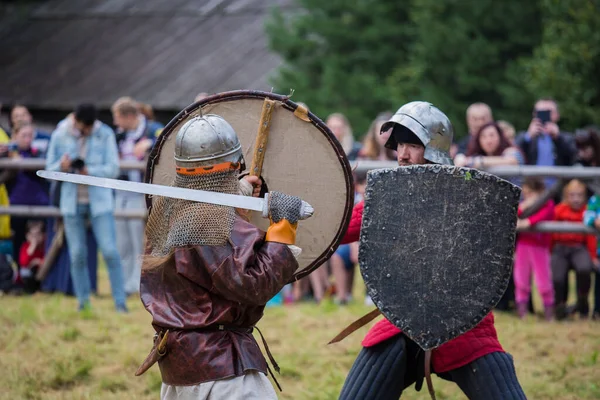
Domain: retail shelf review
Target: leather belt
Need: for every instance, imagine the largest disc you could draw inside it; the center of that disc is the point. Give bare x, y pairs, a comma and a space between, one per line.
160, 348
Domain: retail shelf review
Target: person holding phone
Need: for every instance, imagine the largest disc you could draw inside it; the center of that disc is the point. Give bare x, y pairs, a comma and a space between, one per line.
543, 143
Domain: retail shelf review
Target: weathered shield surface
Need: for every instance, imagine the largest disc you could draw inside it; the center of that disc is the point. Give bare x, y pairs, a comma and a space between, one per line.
302, 158
436, 247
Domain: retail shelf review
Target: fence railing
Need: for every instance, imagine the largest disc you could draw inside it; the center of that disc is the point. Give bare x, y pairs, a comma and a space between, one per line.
583, 173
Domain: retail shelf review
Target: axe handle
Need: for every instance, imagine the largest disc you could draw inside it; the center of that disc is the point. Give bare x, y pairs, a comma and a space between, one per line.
260, 145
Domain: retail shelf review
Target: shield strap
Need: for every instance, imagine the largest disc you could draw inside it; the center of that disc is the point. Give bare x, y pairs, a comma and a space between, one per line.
260, 144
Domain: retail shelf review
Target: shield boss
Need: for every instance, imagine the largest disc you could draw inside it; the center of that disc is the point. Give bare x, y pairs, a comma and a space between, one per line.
436, 247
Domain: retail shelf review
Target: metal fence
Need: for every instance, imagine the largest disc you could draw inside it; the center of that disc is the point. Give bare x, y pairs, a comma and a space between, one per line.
586, 174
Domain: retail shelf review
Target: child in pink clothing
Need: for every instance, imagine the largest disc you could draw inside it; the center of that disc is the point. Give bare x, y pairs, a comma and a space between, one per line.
532, 252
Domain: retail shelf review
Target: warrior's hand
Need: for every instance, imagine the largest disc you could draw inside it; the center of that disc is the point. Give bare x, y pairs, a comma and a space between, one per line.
284, 212
291, 208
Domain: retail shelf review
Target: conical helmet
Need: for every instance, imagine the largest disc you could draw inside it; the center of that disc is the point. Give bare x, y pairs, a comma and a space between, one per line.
207, 140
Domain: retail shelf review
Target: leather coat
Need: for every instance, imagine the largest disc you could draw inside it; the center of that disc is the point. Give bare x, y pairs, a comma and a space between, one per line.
209, 298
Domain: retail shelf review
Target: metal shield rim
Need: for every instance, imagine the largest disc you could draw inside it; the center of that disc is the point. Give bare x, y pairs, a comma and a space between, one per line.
374, 292
291, 106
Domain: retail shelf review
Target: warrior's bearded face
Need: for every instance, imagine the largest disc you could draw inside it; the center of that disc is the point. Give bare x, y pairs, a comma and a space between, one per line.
411, 154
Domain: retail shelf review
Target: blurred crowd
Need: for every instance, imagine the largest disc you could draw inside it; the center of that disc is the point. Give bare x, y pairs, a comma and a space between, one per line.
32, 256
542, 260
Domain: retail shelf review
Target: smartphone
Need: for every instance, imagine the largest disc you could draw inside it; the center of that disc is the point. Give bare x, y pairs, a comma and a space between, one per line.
543, 115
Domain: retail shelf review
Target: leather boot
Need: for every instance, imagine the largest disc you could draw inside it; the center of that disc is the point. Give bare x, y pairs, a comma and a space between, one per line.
522, 310
549, 313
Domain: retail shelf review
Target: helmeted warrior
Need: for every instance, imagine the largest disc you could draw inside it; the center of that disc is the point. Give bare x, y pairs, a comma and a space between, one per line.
208, 273
389, 361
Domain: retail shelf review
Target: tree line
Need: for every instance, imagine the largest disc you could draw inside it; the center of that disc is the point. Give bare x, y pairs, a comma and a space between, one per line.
361, 57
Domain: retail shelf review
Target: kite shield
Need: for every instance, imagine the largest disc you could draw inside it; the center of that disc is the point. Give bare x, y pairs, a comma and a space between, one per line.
291, 149
436, 247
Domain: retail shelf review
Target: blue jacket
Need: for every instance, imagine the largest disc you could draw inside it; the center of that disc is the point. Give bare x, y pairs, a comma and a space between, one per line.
102, 160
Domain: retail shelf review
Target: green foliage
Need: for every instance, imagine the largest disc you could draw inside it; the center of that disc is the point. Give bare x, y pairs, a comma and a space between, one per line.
461, 52
363, 57
565, 66
337, 54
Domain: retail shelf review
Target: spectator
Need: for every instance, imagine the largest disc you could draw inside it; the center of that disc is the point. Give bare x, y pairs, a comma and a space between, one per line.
6, 247
591, 217
135, 137
374, 143
544, 143
587, 142
478, 114
89, 149
572, 251
31, 255
508, 130
489, 148
532, 252
19, 115
24, 186
340, 127
147, 111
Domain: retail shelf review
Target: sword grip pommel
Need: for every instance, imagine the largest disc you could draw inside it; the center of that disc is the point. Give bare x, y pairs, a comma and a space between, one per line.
306, 211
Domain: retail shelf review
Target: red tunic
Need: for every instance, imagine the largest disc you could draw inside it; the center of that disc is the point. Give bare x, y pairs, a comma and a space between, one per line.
456, 353
563, 212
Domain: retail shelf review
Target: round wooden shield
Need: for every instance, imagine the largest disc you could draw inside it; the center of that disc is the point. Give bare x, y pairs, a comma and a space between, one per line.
301, 158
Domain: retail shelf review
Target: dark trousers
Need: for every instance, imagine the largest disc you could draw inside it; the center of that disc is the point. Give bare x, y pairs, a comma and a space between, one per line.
563, 259
382, 372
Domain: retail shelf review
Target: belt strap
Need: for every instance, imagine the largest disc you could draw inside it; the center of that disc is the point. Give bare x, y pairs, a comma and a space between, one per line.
272, 359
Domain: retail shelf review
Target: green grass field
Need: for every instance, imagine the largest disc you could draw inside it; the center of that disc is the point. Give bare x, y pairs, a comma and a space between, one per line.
49, 351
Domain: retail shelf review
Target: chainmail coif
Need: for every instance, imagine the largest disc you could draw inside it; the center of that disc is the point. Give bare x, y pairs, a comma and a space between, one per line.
178, 223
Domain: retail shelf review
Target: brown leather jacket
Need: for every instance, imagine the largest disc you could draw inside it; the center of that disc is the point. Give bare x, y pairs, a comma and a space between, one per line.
203, 287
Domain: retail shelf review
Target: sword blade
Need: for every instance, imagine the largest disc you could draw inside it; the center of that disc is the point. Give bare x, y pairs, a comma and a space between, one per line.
201, 196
